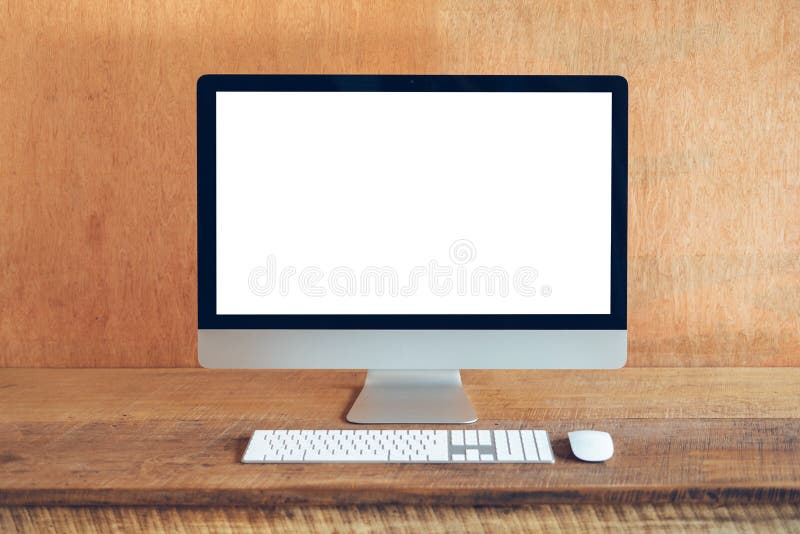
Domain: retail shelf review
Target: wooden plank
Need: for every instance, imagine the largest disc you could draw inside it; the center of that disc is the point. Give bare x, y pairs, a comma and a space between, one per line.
97, 156
323, 397
175, 437
392, 518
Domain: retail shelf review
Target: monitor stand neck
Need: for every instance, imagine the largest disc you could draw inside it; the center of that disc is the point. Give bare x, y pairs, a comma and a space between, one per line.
423, 396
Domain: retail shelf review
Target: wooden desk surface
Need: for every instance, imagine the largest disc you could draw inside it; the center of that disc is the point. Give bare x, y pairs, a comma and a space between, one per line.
174, 437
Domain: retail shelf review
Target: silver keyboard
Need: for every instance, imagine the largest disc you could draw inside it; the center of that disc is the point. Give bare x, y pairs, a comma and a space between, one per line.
399, 446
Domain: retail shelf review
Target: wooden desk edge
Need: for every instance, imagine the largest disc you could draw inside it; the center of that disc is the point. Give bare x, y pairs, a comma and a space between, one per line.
369, 496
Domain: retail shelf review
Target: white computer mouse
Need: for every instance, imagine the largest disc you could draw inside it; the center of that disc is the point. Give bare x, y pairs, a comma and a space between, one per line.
591, 445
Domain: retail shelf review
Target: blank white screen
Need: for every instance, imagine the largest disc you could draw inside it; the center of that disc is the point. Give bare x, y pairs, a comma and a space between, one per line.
348, 203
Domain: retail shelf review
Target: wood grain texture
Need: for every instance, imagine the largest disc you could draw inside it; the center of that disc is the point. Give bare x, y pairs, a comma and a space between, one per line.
97, 155
175, 437
563, 518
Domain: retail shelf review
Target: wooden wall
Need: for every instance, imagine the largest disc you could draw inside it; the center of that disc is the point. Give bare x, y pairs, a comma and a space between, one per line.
97, 155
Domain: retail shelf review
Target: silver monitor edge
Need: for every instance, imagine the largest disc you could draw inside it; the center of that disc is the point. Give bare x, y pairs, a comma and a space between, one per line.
412, 349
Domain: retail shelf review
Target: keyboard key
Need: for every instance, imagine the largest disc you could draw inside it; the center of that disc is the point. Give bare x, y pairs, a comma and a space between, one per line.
514, 446
457, 438
459, 458
273, 455
375, 457
487, 458
470, 437
501, 446
484, 437
293, 456
396, 456
472, 455
543, 444
529, 446
439, 451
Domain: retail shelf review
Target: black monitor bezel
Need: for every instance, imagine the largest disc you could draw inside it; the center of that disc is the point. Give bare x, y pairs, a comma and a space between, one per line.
209, 85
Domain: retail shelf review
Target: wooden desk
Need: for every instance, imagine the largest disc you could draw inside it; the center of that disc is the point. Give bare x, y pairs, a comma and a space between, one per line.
174, 437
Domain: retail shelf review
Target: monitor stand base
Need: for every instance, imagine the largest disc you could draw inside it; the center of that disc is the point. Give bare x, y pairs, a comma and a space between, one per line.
423, 396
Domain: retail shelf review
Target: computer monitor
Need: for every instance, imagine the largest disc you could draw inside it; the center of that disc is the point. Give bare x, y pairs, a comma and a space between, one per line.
412, 226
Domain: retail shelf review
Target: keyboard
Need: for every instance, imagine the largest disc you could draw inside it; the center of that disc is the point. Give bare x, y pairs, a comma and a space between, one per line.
399, 446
